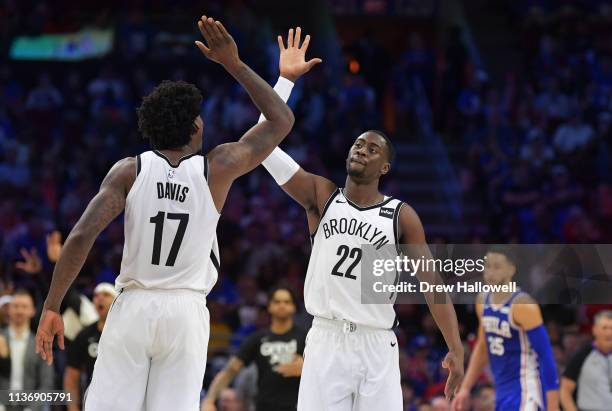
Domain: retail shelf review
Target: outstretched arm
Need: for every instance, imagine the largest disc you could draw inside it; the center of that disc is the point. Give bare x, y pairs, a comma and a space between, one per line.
229, 161
220, 382
309, 190
526, 313
442, 312
478, 360
103, 208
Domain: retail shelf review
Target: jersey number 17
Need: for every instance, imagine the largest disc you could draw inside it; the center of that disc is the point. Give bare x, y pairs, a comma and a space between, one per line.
158, 220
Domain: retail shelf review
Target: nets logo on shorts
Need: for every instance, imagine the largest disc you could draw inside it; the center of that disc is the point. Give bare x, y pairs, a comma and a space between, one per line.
386, 212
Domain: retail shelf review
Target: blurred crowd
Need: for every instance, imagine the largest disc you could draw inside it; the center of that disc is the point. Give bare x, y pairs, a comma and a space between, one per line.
538, 158
539, 144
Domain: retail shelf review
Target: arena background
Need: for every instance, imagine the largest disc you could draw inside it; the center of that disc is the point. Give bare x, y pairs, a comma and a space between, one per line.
501, 112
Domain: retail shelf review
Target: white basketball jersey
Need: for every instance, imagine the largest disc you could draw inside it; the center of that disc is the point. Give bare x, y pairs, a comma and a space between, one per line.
333, 285
170, 226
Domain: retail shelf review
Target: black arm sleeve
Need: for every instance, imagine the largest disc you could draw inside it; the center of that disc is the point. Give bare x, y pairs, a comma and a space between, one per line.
301, 342
248, 349
5, 367
76, 351
572, 371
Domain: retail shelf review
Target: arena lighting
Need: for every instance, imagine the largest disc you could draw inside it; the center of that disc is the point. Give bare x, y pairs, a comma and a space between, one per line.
84, 44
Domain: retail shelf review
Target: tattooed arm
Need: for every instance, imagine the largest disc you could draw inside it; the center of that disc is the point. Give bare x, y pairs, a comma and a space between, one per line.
103, 208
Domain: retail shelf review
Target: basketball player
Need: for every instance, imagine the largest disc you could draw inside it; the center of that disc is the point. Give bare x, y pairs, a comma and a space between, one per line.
351, 356
152, 353
277, 352
513, 340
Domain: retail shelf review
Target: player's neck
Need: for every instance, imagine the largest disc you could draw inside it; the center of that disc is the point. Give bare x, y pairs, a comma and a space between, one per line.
363, 195
500, 298
174, 155
281, 326
601, 347
19, 329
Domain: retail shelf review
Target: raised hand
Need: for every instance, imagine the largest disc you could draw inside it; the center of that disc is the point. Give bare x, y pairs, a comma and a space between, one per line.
32, 263
221, 47
54, 246
454, 364
292, 62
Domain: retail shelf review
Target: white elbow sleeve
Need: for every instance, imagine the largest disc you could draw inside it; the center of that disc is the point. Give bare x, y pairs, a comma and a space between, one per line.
280, 166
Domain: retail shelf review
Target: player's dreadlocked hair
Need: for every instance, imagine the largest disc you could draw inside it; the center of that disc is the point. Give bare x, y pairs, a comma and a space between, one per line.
166, 116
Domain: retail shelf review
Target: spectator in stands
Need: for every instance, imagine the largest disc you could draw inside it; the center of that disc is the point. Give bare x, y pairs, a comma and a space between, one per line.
552, 102
4, 310
440, 404
45, 96
27, 370
277, 353
484, 399
574, 135
82, 353
587, 381
229, 401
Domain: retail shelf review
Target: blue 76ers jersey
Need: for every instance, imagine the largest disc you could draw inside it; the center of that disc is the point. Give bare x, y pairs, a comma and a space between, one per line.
513, 362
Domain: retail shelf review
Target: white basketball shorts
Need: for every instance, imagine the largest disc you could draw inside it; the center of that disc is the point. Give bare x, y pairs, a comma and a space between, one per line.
349, 368
152, 353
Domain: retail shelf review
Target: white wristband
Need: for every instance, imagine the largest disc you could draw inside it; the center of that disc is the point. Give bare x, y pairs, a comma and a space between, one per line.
280, 166
283, 88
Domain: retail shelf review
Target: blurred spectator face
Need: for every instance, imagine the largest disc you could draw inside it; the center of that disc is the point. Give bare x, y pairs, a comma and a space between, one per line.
21, 310
4, 310
281, 306
485, 400
570, 343
440, 404
247, 287
103, 302
228, 401
407, 393
498, 269
602, 331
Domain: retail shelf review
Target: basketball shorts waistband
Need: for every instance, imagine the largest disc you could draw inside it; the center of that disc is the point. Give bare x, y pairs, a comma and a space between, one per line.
344, 326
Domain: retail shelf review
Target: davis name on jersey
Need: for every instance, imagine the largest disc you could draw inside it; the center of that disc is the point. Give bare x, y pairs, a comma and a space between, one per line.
170, 226
172, 191
332, 288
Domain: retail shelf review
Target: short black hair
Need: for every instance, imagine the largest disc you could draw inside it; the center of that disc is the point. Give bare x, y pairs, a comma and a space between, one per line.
507, 251
166, 116
283, 287
390, 146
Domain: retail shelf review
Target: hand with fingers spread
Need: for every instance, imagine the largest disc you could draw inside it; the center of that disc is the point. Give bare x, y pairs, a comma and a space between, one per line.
453, 362
292, 62
51, 324
32, 263
220, 46
54, 246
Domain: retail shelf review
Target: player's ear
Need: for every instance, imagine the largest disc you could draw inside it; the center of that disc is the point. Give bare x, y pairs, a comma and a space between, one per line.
385, 169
